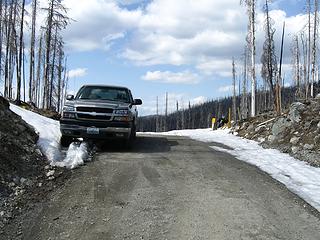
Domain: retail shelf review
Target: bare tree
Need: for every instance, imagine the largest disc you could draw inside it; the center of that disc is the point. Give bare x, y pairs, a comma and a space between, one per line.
9, 48
279, 82
182, 119
56, 21
251, 5
314, 47
309, 48
166, 114
19, 62
189, 116
1, 35
268, 58
60, 72
234, 98
32, 80
296, 65
157, 114
244, 99
178, 116
39, 64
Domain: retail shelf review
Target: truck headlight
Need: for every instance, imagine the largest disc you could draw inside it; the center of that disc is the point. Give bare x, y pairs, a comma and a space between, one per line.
68, 109
68, 115
123, 119
122, 112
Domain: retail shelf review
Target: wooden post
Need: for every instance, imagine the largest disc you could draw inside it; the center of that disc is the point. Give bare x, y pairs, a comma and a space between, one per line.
229, 120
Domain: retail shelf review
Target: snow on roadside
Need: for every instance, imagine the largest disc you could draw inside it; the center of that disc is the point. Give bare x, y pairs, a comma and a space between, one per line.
298, 176
76, 155
49, 140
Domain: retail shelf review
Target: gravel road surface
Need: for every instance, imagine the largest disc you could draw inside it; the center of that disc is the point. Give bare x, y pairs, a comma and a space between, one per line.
170, 188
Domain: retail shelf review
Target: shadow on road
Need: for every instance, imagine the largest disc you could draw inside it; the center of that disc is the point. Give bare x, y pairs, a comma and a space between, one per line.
142, 144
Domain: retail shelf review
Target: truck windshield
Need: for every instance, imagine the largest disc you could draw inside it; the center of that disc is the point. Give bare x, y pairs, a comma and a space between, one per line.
104, 93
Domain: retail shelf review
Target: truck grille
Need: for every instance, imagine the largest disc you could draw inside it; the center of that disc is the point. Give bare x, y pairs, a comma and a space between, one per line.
92, 117
94, 109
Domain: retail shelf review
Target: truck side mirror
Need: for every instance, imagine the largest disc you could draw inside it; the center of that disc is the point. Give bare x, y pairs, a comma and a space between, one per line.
137, 102
70, 97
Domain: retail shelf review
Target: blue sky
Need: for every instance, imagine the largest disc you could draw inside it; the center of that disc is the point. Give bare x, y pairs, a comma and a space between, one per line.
183, 47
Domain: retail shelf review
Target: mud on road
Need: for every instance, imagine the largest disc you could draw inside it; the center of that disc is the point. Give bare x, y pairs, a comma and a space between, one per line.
169, 188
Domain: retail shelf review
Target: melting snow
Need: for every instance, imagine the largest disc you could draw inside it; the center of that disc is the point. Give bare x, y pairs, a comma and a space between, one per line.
49, 140
298, 176
76, 155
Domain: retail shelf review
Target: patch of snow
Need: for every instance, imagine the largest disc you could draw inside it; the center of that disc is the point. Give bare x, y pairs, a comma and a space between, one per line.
76, 155
49, 140
298, 176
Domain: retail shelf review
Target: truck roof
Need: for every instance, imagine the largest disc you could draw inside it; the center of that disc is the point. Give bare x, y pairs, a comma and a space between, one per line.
103, 85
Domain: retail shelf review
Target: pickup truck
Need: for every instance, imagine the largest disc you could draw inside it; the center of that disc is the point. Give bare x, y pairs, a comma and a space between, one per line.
99, 112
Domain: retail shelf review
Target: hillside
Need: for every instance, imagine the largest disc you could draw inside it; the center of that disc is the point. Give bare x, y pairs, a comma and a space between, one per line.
25, 174
199, 116
296, 131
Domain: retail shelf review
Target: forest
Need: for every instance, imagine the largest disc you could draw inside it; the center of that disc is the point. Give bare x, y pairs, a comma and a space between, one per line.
267, 92
33, 65
32, 58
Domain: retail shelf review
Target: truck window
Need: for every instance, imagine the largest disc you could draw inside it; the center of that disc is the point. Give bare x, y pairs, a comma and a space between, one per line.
104, 93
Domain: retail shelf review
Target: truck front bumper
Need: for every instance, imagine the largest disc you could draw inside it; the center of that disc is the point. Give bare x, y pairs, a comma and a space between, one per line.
104, 130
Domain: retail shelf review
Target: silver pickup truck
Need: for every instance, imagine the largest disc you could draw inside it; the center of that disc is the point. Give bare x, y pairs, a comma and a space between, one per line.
99, 112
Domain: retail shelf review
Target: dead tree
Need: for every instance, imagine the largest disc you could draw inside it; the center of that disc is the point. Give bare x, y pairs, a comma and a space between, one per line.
251, 5
56, 21
244, 97
9, 49
279, 82
189, 116
166, 114
60, 71
178, 116
157, 115
268, 58
309, 49
295, 50
39, 64
1, 35
234, 98
32, 79
314, 48
19, 62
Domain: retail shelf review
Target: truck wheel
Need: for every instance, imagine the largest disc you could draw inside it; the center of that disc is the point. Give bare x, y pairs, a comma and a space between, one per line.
129, 141
65, 141
133, 133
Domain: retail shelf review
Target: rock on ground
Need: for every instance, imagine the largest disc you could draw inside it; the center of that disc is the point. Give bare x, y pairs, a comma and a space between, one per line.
297, 131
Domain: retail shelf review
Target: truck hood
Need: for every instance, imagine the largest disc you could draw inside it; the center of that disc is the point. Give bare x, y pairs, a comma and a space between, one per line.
97, 103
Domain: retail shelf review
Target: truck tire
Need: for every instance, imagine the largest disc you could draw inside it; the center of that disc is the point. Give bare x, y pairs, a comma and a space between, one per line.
128, 143
65, 141
133, 133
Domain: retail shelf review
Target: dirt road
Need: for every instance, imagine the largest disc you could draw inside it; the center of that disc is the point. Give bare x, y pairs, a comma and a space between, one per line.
171, 188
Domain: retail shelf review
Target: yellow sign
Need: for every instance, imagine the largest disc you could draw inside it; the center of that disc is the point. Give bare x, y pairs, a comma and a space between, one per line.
213, 126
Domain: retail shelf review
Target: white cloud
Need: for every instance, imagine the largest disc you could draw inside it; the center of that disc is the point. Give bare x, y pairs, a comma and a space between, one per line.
171, 32
185, 77
78, 72
220, 67
198, 100
129, 2
149, 106
204, 34
97, 23
227, 89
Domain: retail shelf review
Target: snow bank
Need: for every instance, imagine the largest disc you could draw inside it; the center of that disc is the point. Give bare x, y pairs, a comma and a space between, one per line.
49, 140
298, 176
